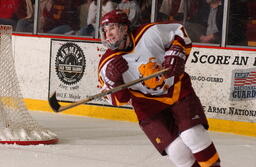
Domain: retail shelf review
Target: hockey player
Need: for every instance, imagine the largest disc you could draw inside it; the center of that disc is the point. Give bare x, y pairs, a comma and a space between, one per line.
168, 110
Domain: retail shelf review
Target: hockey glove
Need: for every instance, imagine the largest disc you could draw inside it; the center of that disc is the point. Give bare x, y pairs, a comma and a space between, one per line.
114, 71
174, 60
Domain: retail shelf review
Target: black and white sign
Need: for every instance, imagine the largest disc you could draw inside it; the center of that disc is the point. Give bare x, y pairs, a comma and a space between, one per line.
73, 69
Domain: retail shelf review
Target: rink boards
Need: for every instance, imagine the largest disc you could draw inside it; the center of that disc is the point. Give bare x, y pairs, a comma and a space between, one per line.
224, 79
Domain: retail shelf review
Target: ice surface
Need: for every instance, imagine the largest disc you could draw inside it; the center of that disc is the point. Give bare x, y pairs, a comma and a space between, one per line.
90, 142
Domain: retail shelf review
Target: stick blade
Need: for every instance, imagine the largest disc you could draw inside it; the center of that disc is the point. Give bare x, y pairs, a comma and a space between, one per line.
54, 103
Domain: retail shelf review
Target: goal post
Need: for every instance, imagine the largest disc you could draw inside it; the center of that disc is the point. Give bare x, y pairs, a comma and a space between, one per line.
16, 124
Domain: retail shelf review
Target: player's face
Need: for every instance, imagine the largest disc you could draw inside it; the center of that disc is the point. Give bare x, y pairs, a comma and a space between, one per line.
114, 36
112, 33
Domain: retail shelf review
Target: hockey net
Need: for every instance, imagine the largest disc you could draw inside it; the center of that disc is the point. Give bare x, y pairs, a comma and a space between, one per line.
16, 124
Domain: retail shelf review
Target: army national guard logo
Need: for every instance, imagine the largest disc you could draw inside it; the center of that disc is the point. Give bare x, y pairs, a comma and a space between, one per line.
70, 63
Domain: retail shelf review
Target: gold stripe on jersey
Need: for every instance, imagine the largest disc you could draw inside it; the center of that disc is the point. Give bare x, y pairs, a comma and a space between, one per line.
142, 31
210, 162
118, 103
100, 81
166, 100
109, 57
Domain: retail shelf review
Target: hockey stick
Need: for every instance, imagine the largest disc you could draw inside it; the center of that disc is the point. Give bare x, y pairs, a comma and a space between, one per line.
58, 108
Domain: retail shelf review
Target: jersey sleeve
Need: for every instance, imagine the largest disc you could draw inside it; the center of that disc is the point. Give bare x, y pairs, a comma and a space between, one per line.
182, 40
168, 35
179, 38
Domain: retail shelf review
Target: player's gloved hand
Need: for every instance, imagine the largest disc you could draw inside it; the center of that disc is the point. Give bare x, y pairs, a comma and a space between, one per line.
174, 60
115, 69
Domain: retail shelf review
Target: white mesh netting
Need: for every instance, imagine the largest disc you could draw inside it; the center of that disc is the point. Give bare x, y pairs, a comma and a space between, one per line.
16, 124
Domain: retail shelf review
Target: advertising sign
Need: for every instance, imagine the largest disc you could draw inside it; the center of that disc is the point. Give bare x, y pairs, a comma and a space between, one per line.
225, 81
73, 70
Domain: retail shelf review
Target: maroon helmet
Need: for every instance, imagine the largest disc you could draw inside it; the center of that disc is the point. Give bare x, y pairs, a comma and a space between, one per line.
115, 16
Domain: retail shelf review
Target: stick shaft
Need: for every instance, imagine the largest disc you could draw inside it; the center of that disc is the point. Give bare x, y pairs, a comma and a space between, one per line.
116, 89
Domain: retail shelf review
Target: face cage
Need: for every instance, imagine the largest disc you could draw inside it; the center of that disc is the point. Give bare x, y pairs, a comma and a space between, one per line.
109, 45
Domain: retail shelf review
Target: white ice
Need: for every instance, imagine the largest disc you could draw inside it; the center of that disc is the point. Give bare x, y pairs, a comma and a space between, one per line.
90, 142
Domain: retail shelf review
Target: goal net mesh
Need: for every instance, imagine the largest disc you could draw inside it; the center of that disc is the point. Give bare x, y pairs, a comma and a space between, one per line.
17, 125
